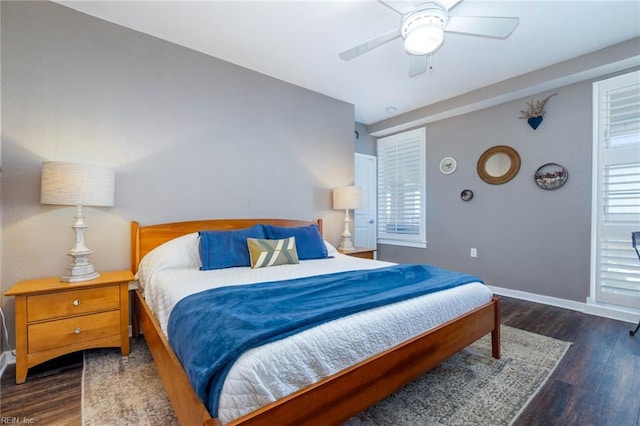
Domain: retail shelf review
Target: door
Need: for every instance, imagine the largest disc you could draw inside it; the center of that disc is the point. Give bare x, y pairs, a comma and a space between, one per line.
364, 220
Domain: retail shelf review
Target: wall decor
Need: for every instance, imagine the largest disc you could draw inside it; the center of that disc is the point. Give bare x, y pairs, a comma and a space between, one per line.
466, 195
448, 165
498, 164
535, 111
551, 176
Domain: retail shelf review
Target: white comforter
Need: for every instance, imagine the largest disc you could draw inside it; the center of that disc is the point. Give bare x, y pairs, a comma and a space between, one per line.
270, 372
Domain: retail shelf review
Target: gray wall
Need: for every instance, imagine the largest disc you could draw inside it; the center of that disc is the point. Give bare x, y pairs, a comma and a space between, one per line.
189, 137
528, 239
365, 143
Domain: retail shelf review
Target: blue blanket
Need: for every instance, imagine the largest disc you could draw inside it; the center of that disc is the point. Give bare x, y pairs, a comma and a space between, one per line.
210, 330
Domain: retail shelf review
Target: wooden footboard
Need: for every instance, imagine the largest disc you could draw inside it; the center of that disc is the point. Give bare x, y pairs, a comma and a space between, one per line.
343, 395
336, 398
332, 400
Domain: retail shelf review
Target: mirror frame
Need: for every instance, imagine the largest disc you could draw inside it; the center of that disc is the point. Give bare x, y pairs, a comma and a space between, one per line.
510, 174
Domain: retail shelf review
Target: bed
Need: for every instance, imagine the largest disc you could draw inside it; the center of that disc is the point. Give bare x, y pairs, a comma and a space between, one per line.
329, 400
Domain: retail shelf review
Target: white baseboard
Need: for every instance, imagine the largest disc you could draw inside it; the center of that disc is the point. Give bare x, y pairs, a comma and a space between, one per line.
607, 311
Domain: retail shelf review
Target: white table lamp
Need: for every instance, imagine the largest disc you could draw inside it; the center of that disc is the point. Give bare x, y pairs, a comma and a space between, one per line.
77, 185
346, 198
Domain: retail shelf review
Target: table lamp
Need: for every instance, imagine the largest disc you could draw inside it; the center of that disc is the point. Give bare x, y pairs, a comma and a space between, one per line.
71, 184
346, 198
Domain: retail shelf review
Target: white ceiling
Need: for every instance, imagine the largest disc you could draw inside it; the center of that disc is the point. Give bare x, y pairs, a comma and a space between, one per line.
299, 41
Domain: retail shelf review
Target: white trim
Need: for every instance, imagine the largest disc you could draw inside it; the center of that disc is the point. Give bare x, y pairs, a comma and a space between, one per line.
599, 309
411, 138
367, 156
416, 244
602, 157
595, 150
616, 312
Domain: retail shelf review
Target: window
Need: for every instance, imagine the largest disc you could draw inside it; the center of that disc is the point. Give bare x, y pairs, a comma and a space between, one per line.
402, 189
615, 270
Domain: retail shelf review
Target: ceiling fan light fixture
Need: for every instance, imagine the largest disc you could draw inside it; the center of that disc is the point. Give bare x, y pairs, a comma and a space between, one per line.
424, 39
423, 30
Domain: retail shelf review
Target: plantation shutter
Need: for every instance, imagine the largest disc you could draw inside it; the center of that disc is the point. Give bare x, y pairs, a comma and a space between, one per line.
616, 268
401, 189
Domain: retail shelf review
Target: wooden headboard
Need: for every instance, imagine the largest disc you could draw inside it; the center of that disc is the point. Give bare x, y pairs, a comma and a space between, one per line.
146, 238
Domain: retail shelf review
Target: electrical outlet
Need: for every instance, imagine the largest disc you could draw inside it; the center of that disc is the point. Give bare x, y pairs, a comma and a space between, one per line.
474, 252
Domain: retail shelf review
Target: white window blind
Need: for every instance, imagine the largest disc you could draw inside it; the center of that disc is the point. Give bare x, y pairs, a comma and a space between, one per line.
402, 189
616, 159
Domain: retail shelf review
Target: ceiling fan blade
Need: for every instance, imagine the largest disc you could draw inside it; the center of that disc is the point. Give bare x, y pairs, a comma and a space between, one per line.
354, 52
400, 6
482, 26
449, 4
405, 7
417, 65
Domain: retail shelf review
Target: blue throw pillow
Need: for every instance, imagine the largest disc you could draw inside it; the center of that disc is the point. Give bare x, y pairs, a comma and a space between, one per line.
309, 242
227, 249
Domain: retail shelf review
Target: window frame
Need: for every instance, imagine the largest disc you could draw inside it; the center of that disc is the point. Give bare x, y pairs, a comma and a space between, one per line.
417, 139
612, 256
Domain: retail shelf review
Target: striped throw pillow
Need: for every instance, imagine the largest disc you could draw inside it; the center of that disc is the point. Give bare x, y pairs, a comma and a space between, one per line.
272, 252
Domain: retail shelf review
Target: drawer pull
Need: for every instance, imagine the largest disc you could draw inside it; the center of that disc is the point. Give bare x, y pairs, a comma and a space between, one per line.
76, 302
77, 330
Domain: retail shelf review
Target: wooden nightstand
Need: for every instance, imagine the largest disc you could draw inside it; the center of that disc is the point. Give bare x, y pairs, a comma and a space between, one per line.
364, 253
54, 318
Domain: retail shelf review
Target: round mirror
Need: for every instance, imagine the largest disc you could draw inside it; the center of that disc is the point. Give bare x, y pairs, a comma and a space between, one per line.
498, 164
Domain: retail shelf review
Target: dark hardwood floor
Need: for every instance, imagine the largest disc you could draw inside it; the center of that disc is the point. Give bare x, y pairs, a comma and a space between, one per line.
596, 383
598, 380
51, 395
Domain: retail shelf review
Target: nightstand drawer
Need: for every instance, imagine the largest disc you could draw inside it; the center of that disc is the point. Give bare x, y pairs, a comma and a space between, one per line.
362, 255
64, 332
72, 302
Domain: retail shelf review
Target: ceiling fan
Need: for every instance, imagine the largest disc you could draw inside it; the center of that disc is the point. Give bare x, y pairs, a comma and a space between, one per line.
423, 25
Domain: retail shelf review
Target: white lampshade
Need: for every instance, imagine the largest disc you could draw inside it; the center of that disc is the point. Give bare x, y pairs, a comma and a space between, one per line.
347, 197
73, 184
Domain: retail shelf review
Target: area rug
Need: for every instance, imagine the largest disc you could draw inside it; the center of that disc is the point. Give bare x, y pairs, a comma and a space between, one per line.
471, 388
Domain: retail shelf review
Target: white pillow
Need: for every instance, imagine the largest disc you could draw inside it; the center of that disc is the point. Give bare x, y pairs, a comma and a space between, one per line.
181, 252
330, 248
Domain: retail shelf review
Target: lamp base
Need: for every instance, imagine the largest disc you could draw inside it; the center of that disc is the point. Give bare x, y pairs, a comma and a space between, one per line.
79, 273
80, 269
346, 245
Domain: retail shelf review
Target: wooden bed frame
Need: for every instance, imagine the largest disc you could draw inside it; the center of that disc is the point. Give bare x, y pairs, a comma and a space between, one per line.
330, 401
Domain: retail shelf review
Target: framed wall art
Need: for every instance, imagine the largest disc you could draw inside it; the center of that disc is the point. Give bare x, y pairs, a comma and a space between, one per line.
551, 176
